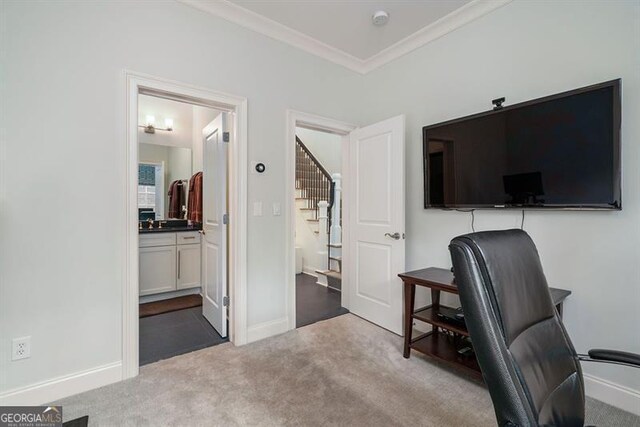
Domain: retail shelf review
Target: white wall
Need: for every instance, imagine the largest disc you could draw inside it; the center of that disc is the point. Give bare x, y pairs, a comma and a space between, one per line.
326, 147
523, 51
63, 119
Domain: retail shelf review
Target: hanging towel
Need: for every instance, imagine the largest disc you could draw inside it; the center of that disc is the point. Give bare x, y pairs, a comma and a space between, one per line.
176, 199
195, 198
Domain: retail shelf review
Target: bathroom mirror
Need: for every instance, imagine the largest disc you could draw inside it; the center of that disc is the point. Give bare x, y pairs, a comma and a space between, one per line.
163, 169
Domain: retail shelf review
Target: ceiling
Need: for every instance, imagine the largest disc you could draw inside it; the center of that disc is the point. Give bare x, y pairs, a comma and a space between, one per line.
346, 25
341, 31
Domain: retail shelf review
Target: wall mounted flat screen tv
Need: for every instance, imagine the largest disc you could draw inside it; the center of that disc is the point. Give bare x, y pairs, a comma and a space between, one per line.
561, 151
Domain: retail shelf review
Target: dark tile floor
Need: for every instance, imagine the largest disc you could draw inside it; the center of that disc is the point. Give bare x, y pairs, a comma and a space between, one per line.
315, 302
178, 332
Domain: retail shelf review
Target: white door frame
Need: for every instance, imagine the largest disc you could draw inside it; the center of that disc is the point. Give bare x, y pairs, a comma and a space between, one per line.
136, 83
310, 121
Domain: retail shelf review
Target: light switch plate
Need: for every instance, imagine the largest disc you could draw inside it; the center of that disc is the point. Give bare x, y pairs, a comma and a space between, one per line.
277, 211
257, 208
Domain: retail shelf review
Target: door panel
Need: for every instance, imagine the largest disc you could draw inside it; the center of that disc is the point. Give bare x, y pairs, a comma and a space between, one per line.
189, 270
374, 154
377, 199
374, 272
157, 269
214, 231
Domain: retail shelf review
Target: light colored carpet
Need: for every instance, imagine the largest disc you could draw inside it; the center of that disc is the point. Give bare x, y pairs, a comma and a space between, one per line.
343, 371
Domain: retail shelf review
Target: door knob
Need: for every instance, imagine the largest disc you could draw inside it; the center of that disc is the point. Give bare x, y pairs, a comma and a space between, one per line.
395, 236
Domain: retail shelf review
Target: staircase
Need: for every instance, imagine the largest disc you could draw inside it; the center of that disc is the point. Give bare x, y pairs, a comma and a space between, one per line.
318, 198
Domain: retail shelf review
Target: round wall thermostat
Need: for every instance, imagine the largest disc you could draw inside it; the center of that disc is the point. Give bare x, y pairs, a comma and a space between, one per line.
260, 167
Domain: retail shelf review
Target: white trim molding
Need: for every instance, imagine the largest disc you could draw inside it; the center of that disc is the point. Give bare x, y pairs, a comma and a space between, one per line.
58, 388
613, 394
267, 329
253, 21
143, 83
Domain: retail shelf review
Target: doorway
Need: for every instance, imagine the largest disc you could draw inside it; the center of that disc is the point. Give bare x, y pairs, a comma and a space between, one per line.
317, 154
373, 235
170, 261
318, 226
182, 198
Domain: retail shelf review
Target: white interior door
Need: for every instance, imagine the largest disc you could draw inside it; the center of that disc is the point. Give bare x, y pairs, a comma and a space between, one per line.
214, 229
376, 222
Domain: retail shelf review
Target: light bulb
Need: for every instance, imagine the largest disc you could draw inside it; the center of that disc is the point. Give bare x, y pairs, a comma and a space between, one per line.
168, 123
151, 120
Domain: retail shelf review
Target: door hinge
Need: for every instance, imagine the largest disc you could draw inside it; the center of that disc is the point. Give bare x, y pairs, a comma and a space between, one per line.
225, 301
225, 219
225, 136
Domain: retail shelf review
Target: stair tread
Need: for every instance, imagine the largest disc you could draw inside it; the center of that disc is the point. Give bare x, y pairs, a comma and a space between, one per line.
337, 258
307, 209
335, 245
330, 273
313, 220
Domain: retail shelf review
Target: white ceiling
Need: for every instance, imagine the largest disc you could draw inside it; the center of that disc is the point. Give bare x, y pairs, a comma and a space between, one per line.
341, 31
346, 25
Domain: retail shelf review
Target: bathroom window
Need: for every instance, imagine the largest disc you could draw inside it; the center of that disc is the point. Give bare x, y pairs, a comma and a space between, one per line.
151, 188
147, 196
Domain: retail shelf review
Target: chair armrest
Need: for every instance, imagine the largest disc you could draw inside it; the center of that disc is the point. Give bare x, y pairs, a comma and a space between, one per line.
615, 356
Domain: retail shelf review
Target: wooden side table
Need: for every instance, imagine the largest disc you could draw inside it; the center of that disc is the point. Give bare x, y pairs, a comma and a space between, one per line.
446, 338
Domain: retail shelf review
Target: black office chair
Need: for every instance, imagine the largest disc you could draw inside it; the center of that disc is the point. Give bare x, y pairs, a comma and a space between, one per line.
528, 362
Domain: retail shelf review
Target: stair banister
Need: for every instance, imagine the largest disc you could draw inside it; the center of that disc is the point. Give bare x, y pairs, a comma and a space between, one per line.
335, 231
323, 243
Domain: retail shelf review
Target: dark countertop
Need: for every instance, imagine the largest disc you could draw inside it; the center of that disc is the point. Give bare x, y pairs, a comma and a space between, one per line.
169, 229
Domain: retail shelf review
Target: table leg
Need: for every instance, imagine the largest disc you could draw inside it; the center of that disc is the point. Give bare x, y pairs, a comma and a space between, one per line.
435, 302
409, 299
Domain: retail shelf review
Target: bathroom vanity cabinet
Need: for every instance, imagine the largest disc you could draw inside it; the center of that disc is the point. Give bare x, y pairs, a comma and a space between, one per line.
169, 261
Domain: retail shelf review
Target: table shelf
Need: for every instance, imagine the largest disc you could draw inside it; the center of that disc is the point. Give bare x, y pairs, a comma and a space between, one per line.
429, 314
442, 347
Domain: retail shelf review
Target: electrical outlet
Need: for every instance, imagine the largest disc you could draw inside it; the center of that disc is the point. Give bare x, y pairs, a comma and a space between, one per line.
21, 348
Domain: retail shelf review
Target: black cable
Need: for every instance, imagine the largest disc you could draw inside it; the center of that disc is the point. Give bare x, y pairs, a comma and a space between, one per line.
473, 218
522, 223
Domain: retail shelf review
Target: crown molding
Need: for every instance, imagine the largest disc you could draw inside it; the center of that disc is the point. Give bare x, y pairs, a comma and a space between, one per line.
448, 23
246, 18
270, 28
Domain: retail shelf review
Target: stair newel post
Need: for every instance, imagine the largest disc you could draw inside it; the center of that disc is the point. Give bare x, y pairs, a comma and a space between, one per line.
336, 218
323, 254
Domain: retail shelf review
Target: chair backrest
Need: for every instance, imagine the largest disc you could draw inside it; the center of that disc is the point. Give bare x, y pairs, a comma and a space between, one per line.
526, 356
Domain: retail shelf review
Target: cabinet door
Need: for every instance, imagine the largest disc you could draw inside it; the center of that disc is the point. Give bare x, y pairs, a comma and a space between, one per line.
157, 269
188, 266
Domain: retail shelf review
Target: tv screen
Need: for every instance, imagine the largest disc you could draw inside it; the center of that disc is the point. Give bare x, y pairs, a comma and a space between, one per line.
561, 151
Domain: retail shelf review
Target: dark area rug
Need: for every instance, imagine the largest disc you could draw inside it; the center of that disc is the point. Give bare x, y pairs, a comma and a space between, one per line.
169, 305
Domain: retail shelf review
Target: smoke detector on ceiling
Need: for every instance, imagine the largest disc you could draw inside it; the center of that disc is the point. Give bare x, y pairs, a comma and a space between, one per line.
380, 18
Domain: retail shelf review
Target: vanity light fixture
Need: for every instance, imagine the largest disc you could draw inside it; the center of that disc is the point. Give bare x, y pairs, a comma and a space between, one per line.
151, 128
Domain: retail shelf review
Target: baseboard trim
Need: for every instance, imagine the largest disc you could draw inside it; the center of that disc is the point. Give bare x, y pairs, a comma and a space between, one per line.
64, 386
310, 271
613, 394
168, 295
267, 329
